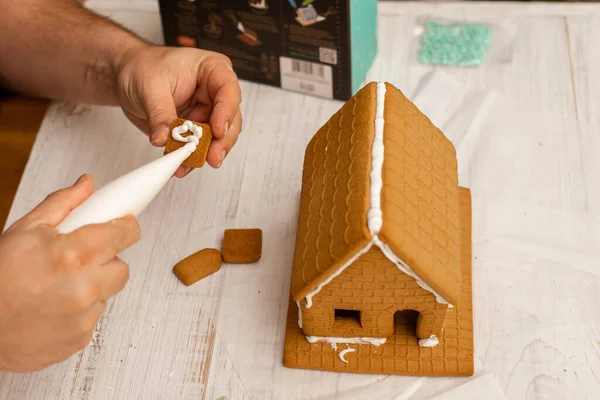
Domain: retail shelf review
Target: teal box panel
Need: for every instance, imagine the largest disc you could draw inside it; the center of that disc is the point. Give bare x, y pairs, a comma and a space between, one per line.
363, 39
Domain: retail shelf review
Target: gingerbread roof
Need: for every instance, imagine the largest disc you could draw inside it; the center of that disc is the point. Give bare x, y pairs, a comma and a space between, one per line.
379, 173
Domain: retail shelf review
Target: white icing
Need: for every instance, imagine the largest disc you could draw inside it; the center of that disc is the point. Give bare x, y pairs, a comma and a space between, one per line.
343, 353
185, 127
299, 314
402, 266
337, 273
450, 306
431, 341
375, 215
127, 195
334, 341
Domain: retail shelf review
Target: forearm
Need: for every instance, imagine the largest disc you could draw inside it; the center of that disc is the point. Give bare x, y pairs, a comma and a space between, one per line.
58, 49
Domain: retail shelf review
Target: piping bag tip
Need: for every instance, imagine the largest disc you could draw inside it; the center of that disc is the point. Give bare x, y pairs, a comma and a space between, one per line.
128, 194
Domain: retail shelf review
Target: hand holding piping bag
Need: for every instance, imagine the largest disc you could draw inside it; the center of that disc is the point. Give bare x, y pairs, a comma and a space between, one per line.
53, 287
59, 264
70, 245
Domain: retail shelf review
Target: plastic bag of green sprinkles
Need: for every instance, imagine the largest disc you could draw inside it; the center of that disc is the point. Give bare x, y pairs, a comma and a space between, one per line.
455, 44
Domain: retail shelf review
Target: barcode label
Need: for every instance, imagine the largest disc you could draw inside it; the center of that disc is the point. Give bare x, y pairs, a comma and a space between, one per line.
328, 55
306, 77
308, 68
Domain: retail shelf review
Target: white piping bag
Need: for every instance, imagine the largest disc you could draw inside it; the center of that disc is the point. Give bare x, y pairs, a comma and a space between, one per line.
129, 194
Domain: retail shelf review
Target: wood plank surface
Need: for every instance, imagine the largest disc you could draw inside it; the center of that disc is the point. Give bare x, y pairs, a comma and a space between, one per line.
20, 119
529, 152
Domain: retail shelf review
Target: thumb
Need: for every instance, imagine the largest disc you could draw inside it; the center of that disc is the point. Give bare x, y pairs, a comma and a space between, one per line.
59, 204
160, 110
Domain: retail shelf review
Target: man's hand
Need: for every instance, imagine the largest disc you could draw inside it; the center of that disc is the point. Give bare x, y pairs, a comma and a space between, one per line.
156, 85
53, 287
96, 61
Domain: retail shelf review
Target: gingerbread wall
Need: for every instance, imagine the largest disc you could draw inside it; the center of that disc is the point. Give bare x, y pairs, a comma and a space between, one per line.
377, 288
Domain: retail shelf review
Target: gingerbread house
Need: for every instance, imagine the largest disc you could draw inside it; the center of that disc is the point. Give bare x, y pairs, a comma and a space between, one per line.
383, 232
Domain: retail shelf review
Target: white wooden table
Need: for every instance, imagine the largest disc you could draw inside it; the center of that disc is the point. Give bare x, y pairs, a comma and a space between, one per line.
536, 227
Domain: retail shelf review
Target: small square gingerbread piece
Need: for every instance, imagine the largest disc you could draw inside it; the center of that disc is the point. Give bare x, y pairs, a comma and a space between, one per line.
242, 246
198, 157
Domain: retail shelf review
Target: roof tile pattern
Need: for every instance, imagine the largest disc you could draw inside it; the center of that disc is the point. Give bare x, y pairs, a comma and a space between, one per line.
335, 194
420, 196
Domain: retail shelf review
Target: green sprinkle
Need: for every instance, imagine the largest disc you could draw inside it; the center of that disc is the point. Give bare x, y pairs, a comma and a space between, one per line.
455, 44
223, 398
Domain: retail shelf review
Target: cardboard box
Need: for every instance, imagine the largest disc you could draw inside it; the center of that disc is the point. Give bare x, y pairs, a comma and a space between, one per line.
319, 47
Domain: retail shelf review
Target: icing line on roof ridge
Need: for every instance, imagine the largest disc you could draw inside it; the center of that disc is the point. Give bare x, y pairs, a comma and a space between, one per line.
375, 214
